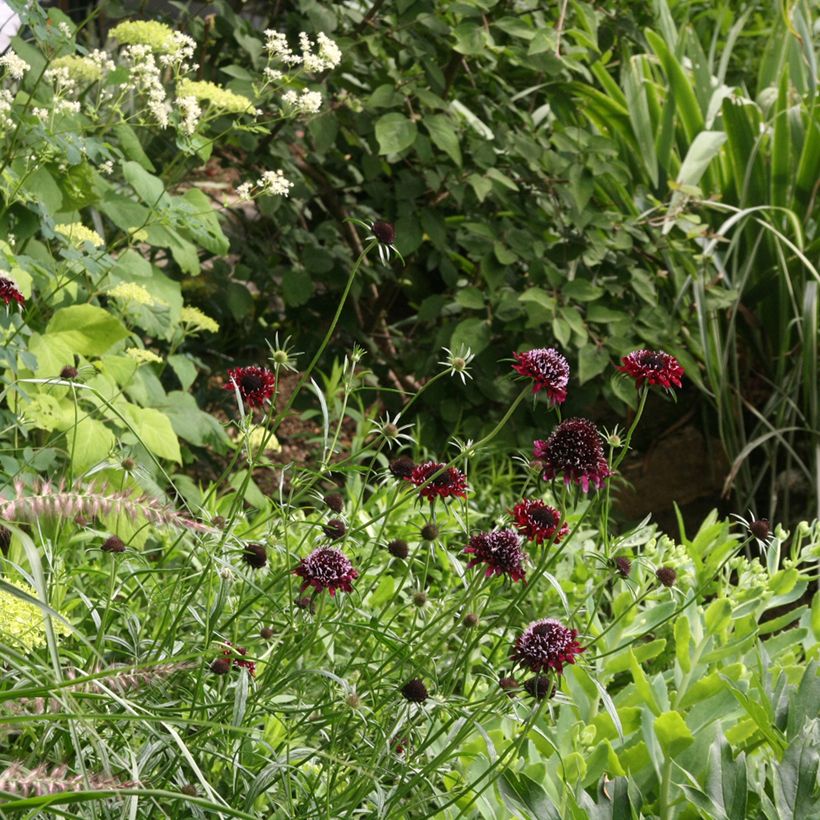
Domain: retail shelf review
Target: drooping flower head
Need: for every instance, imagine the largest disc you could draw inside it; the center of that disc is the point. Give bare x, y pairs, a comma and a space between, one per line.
384, 232
415, 691
255, 384
539, 687
334, 529
573, 448
652, 367
539, 522
548, 369
402, 468
666, 575
9, 292
326, 568
450, 482
255, 555
500, 550
546, 644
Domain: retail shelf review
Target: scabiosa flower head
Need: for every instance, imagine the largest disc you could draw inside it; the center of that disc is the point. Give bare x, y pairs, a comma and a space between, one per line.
539, 522
450, 482
255, 384
5, 540
419, 598
500, 550
255, 555
509, 685
113, 544
266, 633
666, 575
429, 532
384, 232
326, 568
539, 687
470, 620
623, 566
652, 367
402, 468
335, 502
221, 666
230, 654
305, 602
398, 549
546, 644
415, 691
573, 448
9, 292
547, 368
334, 529
69, 373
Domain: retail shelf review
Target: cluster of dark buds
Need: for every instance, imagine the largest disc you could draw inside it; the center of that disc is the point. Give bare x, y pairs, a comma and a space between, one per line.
254, 384
539, 522
500, 551
113, 544
326, 568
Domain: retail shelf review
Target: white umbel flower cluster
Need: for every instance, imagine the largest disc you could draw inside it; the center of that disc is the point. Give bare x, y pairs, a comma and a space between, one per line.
15, 66
145, 74
189, 114
272, 183
306, 102
322, 55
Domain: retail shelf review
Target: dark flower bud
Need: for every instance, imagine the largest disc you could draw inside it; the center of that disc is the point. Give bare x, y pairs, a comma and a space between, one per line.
429, 532
188, 789
415, 691
539, 687
398, 549
68, 373
509, 684
128, 464
470, 620
419, 598
305, 602
353, 700
218, 522
667, 576
623, 566
759, 528
266, 632
113, 544
221, 666
5, 540
384, 232
335, 502
402, 467
255, 555
334, 529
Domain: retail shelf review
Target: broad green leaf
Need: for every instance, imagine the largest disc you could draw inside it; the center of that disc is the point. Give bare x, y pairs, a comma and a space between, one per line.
88, 442
682, 637
444, 136
154, 430
673, 733
470, 333
395, 133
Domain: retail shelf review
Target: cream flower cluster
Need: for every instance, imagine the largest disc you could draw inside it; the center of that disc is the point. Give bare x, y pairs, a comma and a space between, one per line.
142, 356
77, 234
219, 97
145, 72
15, 66
306, 102
189, 114
274, 183
132, 292
315, 57
195, 320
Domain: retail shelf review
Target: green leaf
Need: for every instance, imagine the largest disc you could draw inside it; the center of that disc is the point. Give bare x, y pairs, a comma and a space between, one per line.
150, 189
131, 146
395, 133
726, 779
88, 442
297, 287
592, 360
673, 733
795, 792
470, 333
682, 637
702, 151
154, 430
443, 135
718, 615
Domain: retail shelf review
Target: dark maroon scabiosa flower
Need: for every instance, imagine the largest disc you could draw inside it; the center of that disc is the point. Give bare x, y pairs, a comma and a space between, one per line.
334, 529
255, 384
398, 549
221, 666
266, 633
450, 482
573, 448
539, 522
255, 555
241, 662
335, 502
509, 685
667, 576
384, 232
113, 544
419, 598
429, 532
500, 550
623, 566
539, 687
546, 644
305, 602
188, 789
5, 540
547, 368
326, 568
652, 367
470, 620
402, 468
9, 292
415, 691
69, 373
